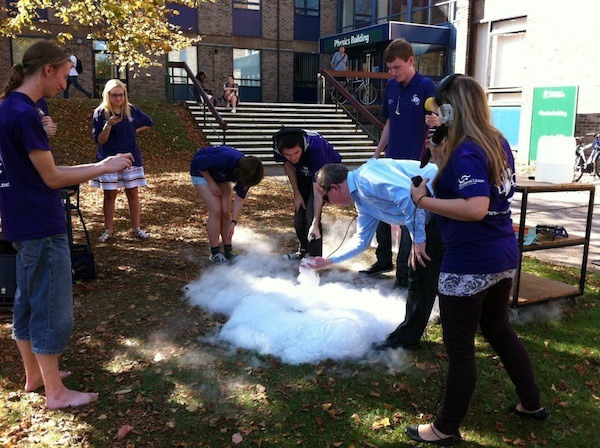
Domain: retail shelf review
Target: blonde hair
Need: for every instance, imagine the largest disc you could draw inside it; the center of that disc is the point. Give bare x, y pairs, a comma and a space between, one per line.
34, 60
472, 122
105, 104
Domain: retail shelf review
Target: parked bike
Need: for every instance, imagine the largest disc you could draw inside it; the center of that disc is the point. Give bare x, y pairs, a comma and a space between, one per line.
589, 164
360, 88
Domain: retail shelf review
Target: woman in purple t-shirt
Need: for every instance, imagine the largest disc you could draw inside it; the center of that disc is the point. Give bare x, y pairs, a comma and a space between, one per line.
473, 190
33, 219
116, 123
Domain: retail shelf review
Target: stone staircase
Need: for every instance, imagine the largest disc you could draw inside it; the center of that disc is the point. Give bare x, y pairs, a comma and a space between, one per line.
251, 128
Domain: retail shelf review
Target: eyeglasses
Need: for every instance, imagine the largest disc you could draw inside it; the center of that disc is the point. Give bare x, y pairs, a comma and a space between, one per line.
326, 190
117, 95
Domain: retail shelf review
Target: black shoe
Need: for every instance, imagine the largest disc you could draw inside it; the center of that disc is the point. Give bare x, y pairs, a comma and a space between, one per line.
413, 433
400, 283
377, 268
540, 415
392, 344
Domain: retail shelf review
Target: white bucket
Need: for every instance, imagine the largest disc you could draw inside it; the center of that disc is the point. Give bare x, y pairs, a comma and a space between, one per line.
555, 159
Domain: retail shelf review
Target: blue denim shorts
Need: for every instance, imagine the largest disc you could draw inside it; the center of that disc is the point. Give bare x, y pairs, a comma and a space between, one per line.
199, 180
43, 305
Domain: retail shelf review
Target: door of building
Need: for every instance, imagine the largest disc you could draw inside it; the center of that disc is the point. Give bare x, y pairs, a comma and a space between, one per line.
306, 67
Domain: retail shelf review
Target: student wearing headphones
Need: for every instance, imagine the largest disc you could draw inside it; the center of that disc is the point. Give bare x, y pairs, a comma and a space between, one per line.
473, 191
303, 153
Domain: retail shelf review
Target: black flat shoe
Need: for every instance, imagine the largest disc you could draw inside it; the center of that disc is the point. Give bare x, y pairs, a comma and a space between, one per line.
413, 433
391, 344
378, 269
540, 415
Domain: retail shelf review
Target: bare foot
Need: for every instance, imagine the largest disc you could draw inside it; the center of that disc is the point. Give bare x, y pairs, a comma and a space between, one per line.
70, 398
33, 384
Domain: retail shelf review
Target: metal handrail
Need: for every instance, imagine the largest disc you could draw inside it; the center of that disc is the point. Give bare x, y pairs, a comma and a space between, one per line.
330, 77
197, 89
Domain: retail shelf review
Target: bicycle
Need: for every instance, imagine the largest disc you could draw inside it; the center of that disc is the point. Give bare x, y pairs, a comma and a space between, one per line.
590, 164
361, 88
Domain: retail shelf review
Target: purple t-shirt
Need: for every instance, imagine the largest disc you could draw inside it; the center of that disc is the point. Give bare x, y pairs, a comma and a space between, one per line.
318, 152
220, 162
405, 108
28, 207
122, 135
489, 245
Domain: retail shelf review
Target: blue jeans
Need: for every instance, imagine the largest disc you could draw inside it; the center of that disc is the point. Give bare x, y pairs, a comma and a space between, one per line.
73, 80
43, 305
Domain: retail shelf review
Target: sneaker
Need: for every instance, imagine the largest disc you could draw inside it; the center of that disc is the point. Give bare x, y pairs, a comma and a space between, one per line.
377, 268
140, 234
295, 256
231, 256
233, 111
106, 235
218, 258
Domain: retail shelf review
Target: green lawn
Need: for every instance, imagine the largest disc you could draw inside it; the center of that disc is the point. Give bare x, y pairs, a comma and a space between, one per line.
137, 343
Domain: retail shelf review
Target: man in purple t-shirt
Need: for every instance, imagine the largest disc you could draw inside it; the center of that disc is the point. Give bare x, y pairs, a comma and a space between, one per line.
403, 137
303, 153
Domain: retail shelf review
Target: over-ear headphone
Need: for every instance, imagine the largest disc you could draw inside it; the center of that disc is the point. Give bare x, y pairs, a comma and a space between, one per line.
447, 113
299, 132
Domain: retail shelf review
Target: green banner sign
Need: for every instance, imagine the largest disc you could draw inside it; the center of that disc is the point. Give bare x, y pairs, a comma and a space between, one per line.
365, 36
553, 113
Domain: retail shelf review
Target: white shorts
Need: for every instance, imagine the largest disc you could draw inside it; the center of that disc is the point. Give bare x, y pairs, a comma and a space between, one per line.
129, 178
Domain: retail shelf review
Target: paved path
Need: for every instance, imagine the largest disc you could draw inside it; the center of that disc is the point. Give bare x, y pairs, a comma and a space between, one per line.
567, 209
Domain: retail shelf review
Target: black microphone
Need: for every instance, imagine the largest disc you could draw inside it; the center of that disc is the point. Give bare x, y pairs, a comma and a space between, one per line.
436, 139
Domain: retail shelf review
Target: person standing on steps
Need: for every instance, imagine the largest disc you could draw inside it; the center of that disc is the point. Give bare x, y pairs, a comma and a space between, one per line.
339, 60
74, 77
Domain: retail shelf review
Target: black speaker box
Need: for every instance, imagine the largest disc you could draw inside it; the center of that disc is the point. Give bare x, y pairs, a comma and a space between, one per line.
82, 262
8, 276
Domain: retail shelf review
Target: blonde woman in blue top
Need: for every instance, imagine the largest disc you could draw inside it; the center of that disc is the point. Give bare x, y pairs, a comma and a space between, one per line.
116, 123
473, 191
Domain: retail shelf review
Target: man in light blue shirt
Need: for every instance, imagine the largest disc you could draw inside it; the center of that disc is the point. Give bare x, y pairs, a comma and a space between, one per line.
380, 191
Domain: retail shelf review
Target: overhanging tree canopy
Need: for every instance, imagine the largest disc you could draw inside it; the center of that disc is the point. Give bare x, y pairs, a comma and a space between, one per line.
137, 31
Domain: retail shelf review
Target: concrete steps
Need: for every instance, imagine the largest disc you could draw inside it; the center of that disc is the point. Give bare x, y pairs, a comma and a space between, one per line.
251, 128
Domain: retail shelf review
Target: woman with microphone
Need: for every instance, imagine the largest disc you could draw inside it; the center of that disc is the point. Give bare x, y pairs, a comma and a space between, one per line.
473, 190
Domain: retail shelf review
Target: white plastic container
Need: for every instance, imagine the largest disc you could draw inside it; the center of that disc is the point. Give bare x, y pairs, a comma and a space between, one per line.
555, 159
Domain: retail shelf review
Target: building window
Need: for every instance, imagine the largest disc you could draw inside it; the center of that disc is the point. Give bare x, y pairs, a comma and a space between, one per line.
363, 13
360, 13
20, 45
307, 7
246, 67
247, 4
190, 57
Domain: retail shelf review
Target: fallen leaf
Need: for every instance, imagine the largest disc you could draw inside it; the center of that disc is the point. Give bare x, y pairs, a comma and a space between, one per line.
123, 391
123, 431
378, 424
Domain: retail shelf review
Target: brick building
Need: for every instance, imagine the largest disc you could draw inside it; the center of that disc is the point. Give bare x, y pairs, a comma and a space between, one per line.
276, 48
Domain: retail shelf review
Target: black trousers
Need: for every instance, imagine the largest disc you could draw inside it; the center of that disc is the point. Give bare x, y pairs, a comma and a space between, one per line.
461, 316
303, 219
422, 290
384, 249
